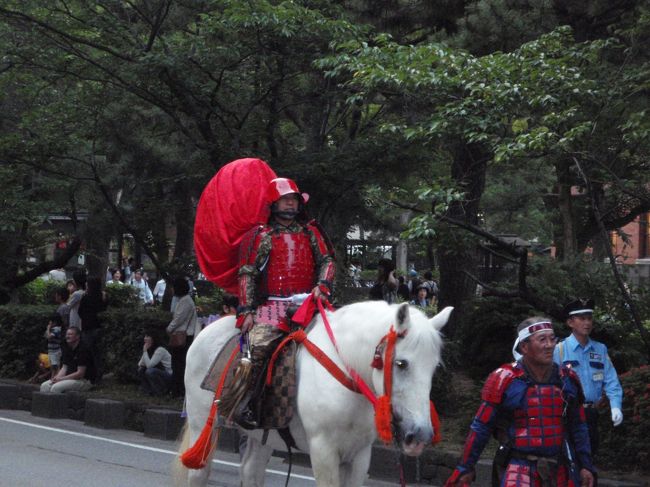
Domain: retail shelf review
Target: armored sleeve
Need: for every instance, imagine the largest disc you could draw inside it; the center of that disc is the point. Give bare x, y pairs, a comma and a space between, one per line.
484, 421
254, 252
323, 255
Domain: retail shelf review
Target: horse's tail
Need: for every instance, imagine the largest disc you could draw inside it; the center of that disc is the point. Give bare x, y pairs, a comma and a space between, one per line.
179, 471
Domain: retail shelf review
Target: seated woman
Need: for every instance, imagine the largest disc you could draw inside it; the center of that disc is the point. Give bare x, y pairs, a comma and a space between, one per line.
155, 366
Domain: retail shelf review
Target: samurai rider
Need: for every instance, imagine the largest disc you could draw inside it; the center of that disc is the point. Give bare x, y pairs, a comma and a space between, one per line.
288, 256
537, 406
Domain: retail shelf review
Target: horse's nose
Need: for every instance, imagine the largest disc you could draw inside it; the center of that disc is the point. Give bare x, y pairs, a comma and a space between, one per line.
419, 435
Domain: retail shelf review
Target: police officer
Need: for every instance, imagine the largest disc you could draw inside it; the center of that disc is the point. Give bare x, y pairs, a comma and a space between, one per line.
590, 361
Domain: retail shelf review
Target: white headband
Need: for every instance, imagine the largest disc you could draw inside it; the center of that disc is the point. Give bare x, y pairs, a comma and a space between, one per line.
581, 311
527, 332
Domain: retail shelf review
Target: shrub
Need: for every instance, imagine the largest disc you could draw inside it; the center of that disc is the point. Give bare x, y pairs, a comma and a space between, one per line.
122, 296
124, 330
22, 338
626, 446
39, 291
488, 332
22, 329
208, 301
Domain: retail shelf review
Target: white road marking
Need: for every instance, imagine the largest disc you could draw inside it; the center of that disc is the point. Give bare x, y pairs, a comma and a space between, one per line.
141, 447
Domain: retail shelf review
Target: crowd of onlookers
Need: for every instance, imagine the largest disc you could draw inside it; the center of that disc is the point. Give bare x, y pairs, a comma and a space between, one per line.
73, 332
417, 290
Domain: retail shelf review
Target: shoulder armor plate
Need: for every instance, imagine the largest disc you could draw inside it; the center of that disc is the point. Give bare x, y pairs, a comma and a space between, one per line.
498, 381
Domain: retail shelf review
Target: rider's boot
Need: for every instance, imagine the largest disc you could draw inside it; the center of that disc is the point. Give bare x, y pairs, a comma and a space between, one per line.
244, 415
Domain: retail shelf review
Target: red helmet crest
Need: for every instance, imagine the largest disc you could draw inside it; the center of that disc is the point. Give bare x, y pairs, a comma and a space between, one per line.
278, 187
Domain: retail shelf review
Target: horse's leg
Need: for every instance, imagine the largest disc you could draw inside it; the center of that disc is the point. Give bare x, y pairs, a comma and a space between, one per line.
199, 477
254, 462
354, 473
325, 463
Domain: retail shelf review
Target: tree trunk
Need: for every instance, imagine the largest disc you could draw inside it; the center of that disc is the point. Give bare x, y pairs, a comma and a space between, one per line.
455, 256
566, 241
184, 216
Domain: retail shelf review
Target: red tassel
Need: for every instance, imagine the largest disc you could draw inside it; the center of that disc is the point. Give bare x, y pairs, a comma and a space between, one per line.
382, 419
196, 456
377, 362
435, 422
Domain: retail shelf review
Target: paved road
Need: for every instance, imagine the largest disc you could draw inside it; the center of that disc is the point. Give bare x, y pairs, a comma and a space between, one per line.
40, 452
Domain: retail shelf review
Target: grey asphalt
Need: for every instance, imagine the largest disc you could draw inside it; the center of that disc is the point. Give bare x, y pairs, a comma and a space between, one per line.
41, 452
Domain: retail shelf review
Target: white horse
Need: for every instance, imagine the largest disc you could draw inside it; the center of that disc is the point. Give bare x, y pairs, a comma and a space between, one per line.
333, 424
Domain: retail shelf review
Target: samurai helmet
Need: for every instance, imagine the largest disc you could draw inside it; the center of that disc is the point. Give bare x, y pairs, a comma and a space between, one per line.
279, 187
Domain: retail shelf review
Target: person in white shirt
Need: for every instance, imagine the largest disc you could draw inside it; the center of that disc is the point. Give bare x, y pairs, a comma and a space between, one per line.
144, 292
155, 366
159, 291
116, 278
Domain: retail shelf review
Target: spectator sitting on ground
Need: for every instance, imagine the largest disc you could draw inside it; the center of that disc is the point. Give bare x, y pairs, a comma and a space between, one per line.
155, 366
61, 297
53, 336
421, 299
76, 366
43, 371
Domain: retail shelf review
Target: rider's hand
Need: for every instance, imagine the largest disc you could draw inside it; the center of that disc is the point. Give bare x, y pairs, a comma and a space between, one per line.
318, 294
586, 478
247, 324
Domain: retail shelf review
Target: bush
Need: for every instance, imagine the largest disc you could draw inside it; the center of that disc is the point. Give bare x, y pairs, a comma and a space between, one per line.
626, 446
22, 329
39, 291
21, 338
124, 330
208, 302
488, 332
122, 296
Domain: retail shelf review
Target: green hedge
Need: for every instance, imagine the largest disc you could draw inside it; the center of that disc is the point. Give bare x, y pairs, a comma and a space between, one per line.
122, 339
487, 333
626, 447
22, 329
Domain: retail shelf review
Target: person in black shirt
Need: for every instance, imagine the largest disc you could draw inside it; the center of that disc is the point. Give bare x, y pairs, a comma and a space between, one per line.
76, 370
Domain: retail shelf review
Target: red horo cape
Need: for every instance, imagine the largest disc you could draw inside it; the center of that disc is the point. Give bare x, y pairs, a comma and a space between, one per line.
232, 203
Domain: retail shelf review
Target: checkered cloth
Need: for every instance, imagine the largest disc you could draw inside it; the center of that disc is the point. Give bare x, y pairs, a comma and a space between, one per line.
279, 398
278, 401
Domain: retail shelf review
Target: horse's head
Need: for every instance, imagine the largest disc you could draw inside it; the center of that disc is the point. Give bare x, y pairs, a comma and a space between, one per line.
416, 356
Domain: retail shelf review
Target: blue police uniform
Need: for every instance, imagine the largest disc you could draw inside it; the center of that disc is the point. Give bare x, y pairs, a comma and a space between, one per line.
597, 374
594, 368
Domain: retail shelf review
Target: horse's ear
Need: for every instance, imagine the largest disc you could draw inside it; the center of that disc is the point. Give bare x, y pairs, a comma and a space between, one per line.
440, 320
403, 317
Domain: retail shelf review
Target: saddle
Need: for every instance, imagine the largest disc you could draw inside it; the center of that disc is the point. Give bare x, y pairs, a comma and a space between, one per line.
273, 405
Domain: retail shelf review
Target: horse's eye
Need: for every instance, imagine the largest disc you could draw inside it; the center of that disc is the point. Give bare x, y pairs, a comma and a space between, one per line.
402, 364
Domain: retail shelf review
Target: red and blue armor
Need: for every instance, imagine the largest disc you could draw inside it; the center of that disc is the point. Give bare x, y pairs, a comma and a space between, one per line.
277, 262
540, 420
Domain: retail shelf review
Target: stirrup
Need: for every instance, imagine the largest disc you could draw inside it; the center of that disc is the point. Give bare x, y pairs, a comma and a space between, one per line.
246, 418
